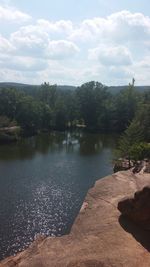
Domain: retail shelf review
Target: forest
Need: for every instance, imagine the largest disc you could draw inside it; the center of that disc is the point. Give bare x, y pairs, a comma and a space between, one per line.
90, 106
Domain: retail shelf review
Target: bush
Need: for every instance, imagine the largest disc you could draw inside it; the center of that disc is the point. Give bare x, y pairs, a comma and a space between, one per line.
140, 151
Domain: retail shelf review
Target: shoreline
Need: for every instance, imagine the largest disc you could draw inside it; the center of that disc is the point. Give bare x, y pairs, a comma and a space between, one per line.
97, 237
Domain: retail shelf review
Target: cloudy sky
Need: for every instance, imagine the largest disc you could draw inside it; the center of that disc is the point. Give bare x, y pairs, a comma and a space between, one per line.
75, 41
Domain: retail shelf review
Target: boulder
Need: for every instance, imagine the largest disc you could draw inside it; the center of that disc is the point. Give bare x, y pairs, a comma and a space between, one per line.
122, 164
137, 208
147, 166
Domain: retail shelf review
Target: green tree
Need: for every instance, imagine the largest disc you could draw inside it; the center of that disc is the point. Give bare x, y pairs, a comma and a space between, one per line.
29, 114
92, 98
9, 99
140, 151
48, 94
132, 136
143, 117
125, 102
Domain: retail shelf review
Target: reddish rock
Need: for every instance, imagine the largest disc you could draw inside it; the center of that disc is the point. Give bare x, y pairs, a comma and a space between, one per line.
137, 208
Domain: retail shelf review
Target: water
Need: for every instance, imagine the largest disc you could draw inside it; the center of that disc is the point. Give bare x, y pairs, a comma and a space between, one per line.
43, 181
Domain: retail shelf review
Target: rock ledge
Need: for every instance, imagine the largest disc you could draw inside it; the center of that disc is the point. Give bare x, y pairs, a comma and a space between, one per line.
100, 237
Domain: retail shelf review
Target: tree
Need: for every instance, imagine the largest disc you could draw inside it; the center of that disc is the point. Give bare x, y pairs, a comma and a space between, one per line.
131, 137
48, 94
29, 114
126, 102
143, 117
140, 151
92, 98
9, 99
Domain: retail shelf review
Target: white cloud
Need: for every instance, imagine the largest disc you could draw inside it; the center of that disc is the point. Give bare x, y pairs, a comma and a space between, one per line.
90, 29
144, 63
34, 41
121, 26
110, 49
7, 75
5, 45
29, 41
22, 63
58, 27
12, 14
129, 26
61, 49
111, 55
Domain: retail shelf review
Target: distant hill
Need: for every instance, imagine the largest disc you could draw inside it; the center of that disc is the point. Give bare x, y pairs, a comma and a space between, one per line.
28, 87
16, 85
66, 87
116, 89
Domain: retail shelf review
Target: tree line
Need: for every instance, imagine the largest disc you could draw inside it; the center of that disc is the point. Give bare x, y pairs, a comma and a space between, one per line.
91, 105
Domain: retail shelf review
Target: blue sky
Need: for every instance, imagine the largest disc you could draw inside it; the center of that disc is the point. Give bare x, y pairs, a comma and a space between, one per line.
77, 10
72, 42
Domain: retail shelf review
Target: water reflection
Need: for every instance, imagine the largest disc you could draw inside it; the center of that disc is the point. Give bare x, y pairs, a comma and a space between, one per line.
43, 181
80, 142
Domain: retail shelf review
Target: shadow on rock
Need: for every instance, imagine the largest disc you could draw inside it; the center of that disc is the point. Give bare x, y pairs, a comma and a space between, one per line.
142, 236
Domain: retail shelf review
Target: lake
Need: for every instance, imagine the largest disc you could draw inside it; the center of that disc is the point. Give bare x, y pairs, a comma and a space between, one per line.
43, 182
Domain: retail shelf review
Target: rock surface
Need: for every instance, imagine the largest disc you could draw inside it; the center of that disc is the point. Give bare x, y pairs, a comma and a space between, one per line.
137, 208
100, 237
9, 134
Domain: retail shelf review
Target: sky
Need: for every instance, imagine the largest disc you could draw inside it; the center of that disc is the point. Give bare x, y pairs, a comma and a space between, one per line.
75, 41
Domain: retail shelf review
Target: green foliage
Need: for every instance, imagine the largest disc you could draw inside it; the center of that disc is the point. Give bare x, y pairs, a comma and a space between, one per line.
132, 144
47, 94
125, 103
93, 99
29, 112
92, 105
9, 102
143, 117
132, 136
140, 151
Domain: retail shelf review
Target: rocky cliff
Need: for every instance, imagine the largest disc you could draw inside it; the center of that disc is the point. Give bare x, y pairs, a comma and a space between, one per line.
100, 236
9, 134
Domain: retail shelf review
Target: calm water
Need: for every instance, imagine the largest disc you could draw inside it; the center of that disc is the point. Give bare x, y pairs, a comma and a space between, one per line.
43, 181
